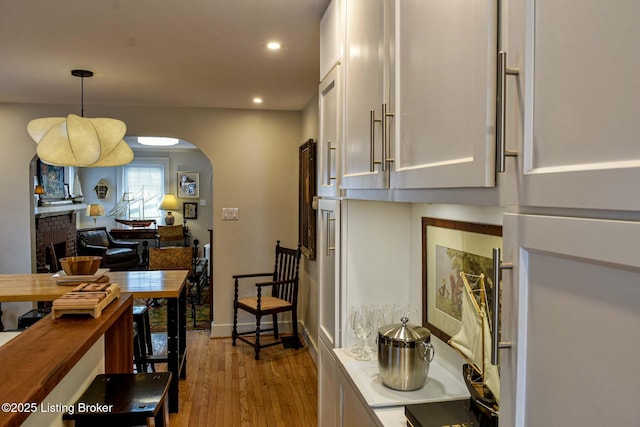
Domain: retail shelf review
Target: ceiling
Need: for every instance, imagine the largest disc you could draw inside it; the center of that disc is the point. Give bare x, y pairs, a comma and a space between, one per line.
160, 53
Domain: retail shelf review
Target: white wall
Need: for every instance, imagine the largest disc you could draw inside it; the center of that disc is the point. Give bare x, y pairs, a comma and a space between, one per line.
254, 156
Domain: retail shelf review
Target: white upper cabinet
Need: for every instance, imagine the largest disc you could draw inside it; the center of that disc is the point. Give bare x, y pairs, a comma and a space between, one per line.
578, 96
420, 94
331, 37
330, 133
570, 310
445, 91
365, 60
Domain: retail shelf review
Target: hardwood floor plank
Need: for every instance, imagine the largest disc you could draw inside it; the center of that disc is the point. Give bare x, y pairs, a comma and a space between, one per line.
226, 386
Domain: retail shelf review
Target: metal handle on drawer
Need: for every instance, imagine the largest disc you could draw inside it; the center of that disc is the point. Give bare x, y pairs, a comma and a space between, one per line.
501, 151
328, 162
372, 142
498, 266
385, 138
328, 244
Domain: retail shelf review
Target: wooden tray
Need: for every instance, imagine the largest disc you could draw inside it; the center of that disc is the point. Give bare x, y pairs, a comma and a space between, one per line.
87, 298
62, 279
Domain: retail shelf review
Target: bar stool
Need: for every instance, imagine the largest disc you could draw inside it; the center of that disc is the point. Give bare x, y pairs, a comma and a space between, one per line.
123, 400
141, 317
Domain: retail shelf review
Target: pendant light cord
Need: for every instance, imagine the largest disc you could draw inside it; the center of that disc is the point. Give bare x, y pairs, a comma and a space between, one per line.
82, 96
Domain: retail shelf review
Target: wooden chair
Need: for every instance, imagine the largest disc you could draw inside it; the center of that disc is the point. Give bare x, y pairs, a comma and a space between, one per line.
284, 297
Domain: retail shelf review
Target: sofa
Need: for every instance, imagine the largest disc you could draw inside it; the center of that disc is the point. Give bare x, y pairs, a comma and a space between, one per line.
116, 254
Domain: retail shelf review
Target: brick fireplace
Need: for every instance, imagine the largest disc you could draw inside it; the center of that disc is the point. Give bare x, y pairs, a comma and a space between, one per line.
59, 229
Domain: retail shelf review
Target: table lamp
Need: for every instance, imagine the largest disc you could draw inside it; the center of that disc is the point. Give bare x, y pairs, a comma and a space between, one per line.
95, 210
169, 203
39, 190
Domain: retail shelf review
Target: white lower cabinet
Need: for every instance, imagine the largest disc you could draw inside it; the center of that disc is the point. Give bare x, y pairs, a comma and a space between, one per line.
339, 402
571, 308
329, 400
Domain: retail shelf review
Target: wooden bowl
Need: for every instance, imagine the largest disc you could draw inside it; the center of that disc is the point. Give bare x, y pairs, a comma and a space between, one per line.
80, 265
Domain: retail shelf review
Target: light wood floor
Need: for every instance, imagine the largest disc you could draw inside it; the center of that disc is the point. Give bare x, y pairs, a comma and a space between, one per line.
226, 386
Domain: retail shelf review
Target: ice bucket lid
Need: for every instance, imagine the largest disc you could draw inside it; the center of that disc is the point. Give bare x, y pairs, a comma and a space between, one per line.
404, 332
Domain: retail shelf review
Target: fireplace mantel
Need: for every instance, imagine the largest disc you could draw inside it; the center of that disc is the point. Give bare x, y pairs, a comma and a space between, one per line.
59, 209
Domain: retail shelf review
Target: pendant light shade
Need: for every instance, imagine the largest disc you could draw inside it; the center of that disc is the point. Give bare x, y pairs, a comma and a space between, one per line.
80, 141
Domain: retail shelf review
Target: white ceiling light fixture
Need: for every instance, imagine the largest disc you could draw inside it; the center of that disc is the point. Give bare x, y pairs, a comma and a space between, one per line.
79, 141
157, 141
274, 45
257, 100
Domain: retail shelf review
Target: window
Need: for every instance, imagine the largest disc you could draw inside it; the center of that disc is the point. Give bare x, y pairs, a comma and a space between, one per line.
143, 183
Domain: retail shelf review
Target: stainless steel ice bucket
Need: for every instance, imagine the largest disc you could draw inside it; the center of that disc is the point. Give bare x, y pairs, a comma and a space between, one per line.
404, 355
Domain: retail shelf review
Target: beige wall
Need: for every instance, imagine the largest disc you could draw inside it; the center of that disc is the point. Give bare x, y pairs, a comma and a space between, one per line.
309, 269
254, 155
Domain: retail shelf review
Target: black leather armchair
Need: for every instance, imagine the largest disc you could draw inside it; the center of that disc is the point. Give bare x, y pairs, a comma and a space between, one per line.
116, 254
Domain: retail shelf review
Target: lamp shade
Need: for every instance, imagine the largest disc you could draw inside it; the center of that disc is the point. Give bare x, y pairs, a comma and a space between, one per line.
169, 202
39, 189
95, 209
80, 141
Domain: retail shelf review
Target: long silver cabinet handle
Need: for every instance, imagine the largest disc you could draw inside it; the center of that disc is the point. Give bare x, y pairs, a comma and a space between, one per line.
503, 71
328, 163
386, 139
498, 266
328, 244
372, 142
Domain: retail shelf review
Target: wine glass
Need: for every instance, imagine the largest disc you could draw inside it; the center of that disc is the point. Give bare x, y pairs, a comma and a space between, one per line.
378, 319
363, 327
356, 349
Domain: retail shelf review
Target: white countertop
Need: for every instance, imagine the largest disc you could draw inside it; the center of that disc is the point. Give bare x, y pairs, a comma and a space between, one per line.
441, 384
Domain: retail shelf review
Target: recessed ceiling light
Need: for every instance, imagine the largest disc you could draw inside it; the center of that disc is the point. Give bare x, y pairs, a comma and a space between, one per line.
273, 46
257, 100
157, 141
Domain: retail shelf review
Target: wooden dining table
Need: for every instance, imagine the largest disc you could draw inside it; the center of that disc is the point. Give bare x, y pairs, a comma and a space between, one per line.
169, 284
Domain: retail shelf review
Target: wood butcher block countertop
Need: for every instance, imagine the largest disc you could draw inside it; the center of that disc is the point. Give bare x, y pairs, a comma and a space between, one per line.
35, 361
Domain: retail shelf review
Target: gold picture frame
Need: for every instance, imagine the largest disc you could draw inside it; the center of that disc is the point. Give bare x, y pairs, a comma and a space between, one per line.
449, 247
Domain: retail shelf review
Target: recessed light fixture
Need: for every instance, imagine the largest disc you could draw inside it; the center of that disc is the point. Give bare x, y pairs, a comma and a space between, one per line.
157, 141
257, 100
273, 45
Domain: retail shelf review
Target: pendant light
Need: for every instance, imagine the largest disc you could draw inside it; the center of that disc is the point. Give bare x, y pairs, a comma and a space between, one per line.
79, 141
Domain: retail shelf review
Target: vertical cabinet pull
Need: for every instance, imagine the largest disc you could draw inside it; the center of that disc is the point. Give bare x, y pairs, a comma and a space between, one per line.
328, 175
386, 137
329, 247
501, 151
372, 142
498, 266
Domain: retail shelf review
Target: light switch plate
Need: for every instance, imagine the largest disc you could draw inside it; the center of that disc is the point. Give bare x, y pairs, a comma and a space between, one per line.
229, 214
203, 202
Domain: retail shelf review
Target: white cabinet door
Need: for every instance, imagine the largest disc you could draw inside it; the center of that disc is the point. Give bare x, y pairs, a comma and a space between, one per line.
328, 275
575, 322
328, 147
580, 80
329, 400
445, 58
365, 55
331, 37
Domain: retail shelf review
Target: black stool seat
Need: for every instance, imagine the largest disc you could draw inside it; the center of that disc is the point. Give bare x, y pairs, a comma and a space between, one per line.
123, 400
31, 317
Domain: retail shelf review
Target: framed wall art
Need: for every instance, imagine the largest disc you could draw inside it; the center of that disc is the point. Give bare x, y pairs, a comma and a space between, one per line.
189, 185
52, 180
448, 248
306, 196
190, 210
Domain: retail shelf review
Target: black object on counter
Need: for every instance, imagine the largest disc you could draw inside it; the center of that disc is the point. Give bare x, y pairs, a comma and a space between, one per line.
438, 414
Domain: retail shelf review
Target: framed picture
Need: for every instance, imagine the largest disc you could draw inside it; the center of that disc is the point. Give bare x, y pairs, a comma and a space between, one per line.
190, 210
189, 184
306, 196
52, 180
448, 248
